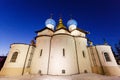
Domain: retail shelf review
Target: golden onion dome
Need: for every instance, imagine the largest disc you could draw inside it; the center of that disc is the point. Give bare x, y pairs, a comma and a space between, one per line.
60, 24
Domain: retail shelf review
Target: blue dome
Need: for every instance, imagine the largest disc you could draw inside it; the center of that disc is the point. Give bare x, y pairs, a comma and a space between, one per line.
50, 21
72, 22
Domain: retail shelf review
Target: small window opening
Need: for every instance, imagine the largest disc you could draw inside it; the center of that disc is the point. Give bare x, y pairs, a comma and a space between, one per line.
63, 52
63, 71
85, 71
14, 57
107, 57
41, 52
83, 54
39, 71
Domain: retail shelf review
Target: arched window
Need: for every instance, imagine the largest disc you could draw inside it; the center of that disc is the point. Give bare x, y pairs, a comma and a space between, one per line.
63, 71
107, 57
14, 57
41, 52
83, 54
63, 52
85, 71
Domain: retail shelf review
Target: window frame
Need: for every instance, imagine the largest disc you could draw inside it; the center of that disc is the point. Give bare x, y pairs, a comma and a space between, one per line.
63, 71
14, 56
64, 52
83, 53
41, 51
107, 57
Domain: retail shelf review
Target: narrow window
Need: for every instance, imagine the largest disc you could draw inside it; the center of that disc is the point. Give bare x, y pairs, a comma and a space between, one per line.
14, 57
107, 56
39, 71
83, 54
41, 52
85, 71
63, 71
63, 52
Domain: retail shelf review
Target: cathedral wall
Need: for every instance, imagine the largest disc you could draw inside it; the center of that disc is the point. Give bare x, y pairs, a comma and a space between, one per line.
63, 59
62, 31
83, 55
95, 60
107, 59
45, 32
40, 59
29, 57
15, 60
77, 33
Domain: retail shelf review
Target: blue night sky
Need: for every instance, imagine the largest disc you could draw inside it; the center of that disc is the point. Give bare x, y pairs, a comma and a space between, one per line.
19, 19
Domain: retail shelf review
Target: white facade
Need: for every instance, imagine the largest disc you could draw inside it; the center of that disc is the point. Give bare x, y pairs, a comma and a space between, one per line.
18, 66
60, 52
110, 67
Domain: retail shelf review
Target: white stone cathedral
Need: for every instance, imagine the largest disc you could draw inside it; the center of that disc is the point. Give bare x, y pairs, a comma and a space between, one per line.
60, 52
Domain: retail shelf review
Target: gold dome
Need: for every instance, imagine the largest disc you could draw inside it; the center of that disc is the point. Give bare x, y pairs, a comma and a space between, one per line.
60, 24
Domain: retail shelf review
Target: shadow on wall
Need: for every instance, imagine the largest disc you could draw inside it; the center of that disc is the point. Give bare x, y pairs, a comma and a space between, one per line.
2, 61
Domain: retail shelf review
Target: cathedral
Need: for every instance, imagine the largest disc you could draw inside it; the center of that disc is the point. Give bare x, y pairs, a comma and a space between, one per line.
58, 50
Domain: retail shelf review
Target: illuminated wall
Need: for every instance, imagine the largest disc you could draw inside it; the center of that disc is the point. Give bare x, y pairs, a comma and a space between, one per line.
63, 59
107, 60
60, 52
40, 60
15, 64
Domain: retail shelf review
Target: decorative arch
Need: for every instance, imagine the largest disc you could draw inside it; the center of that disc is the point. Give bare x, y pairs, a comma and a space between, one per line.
14, 57
107, 57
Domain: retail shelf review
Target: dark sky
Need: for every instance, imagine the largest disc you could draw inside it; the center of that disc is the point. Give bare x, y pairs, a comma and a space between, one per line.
20, 18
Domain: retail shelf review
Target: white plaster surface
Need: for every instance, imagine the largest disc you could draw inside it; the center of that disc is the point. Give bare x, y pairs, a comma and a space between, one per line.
87, 76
